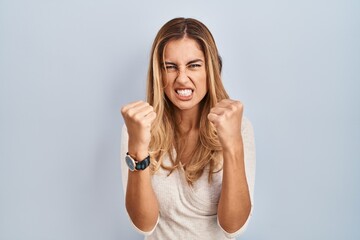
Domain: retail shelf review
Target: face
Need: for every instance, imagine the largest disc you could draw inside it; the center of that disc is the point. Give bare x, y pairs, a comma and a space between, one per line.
184, 74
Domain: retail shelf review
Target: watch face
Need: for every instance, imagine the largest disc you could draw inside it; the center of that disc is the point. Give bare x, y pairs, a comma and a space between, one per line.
130, 162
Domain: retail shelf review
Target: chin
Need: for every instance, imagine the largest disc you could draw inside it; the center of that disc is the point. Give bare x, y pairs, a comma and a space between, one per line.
186, 106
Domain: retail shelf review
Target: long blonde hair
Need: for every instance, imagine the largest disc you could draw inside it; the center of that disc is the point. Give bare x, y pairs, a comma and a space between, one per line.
164, 132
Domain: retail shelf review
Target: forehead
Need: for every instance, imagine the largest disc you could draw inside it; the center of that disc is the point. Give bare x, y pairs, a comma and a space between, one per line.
185, 49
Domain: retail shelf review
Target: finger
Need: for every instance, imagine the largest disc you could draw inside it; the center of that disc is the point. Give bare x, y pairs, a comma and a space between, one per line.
213, 118
140, 115
144, 110
218, 110
138, 109
125, 108
231, 105
225, 102
150, 117
226, 105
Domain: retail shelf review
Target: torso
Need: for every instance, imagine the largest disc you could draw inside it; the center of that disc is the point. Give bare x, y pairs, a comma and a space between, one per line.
186, 212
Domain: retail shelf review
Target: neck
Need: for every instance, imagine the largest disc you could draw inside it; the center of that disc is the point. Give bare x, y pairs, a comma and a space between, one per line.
188, 120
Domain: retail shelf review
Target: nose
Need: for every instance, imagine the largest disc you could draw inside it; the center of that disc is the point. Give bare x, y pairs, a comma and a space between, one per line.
182, 75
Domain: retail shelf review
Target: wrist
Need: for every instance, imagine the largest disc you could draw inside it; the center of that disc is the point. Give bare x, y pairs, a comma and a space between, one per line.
136, 165
233, 146
233, 156
137, 151
138, 155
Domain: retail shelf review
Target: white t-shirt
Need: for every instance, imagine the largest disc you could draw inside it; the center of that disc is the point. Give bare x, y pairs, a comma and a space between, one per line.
190, 212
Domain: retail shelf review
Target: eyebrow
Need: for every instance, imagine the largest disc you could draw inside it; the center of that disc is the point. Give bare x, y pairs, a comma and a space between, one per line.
190, 62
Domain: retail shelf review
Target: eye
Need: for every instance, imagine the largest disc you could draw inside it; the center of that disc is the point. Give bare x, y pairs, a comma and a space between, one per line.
194, 65
170, 68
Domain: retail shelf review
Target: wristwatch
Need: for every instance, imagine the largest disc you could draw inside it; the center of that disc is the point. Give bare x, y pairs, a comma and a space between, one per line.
137, 165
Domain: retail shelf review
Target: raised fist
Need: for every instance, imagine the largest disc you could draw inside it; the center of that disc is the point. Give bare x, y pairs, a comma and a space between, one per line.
226, 117
138, 117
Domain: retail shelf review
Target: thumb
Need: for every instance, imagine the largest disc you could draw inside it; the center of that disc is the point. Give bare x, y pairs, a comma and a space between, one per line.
212, 117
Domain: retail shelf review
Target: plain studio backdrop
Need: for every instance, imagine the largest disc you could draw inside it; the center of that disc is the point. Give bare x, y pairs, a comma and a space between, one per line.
67, 67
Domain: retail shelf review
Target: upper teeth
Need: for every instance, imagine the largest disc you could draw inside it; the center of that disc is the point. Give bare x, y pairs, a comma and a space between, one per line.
184, 92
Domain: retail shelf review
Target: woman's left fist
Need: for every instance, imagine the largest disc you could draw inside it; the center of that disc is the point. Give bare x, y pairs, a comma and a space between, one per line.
226, 117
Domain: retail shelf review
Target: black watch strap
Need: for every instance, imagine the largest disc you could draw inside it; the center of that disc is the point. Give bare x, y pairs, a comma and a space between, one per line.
143, 164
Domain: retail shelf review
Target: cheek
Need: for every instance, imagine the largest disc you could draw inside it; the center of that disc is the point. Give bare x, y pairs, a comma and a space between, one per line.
167, 91
167, 86
168, 80
203, 82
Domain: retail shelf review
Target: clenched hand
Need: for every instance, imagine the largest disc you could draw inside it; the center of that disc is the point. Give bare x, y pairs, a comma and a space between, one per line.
138, 117
226, 117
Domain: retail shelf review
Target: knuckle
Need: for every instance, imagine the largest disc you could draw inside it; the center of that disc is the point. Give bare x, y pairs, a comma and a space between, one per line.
137, 118
238, 104
122, 110
227, 115
130, 112
233, 107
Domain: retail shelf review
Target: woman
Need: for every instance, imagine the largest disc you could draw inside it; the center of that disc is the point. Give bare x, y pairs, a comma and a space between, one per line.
190, 151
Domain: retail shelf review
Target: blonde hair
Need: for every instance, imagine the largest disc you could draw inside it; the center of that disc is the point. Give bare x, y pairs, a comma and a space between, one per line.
164, 132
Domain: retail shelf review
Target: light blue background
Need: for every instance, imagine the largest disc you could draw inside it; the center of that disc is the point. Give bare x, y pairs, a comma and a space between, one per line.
66, 68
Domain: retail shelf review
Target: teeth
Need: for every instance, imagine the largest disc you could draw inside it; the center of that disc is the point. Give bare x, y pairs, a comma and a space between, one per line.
184, 92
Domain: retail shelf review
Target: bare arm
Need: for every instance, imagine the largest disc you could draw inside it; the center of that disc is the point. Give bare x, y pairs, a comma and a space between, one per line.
141, 203
234, 204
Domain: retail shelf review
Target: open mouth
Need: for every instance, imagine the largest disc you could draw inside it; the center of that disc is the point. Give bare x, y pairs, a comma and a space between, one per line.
184, 92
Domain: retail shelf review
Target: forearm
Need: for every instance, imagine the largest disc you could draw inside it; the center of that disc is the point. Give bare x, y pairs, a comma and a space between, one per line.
234, 205
141, 202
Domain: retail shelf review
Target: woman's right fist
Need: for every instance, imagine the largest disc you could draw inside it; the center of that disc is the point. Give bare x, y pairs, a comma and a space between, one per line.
138, 117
